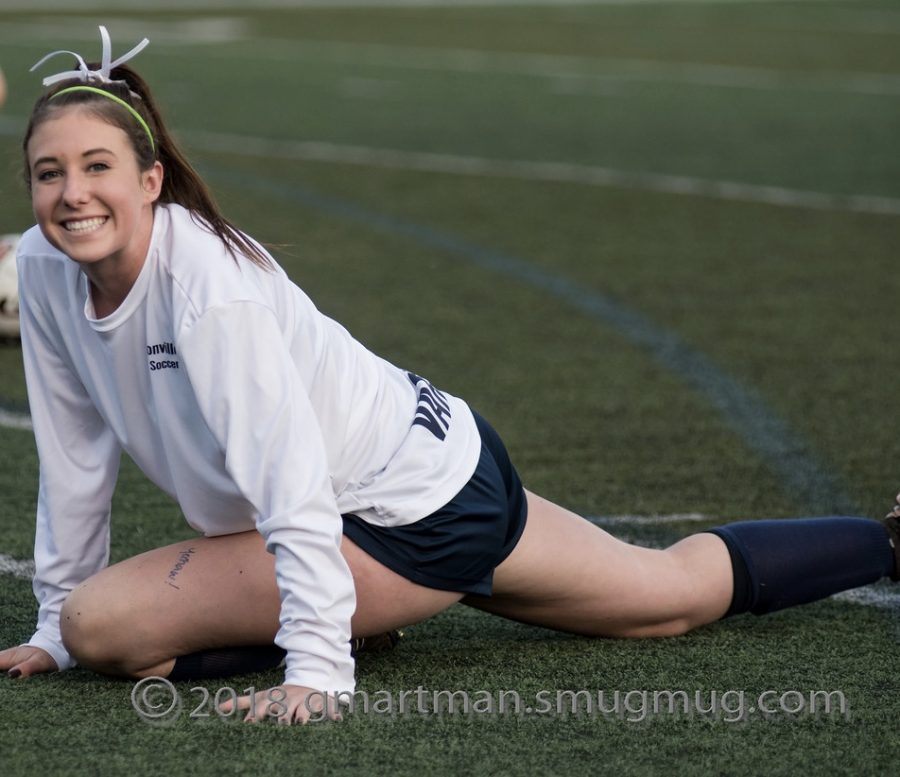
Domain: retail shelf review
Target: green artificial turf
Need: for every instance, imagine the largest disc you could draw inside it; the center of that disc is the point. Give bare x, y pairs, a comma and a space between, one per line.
793, 304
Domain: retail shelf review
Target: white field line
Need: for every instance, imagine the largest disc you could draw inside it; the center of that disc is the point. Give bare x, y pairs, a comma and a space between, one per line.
876, 595
10, 566
557, 172
572, 69
647, 520
10, 420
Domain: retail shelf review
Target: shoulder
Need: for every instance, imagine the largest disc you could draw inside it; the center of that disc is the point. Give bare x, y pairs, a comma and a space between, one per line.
184, 239
204, 273
192, 246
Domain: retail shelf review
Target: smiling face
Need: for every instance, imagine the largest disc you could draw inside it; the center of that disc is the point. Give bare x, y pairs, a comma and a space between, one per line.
89, 196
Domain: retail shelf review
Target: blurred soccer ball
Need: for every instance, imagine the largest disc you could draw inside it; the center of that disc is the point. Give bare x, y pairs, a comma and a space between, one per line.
9, 287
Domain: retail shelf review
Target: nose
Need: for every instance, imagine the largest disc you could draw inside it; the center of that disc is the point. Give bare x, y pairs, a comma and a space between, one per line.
75, 191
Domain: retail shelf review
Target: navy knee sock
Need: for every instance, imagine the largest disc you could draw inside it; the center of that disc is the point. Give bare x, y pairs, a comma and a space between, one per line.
780, 563
224, 662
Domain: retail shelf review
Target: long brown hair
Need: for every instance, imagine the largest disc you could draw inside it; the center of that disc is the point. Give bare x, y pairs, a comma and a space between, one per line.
182, 184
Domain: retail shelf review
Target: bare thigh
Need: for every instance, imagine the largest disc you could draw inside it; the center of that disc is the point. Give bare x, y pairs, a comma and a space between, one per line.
136, 616
565, 573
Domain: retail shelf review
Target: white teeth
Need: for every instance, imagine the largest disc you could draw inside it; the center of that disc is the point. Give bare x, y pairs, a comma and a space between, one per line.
85, 225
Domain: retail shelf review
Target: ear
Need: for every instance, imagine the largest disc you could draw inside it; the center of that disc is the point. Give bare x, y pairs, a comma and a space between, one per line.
151, 182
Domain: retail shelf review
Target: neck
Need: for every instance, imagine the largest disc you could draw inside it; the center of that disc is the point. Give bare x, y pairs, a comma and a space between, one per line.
106, 297
113, 278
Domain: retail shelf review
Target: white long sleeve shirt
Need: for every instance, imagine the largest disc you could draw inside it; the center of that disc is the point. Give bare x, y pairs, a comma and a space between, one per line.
239, 399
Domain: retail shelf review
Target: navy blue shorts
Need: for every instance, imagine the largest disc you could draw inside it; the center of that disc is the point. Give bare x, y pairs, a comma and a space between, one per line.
458, 547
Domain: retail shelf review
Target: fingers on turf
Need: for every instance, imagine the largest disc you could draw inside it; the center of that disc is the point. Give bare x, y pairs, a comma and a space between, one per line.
283, 706
23, 661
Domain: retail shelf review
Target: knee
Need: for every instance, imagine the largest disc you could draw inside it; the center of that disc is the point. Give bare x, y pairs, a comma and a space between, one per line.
88, 626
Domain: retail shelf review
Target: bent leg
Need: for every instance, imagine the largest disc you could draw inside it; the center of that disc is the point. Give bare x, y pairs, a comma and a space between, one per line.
565, 573
135, 617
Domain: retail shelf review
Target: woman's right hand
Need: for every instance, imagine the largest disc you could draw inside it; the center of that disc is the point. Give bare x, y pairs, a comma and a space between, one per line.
26, 660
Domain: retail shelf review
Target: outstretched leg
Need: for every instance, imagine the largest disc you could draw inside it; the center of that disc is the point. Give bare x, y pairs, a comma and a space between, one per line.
568, 574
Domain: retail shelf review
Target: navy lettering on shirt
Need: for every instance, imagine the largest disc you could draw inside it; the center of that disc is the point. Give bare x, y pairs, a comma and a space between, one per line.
163, 364
432, 410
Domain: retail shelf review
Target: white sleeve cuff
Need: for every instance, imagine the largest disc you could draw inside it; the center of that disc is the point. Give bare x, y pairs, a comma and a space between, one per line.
341, 681
57, 652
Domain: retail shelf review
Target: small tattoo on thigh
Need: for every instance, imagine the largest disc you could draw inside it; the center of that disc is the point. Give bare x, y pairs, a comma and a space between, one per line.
183, 558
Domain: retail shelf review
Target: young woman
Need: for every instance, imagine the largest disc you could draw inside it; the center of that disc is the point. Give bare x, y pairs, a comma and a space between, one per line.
337, 494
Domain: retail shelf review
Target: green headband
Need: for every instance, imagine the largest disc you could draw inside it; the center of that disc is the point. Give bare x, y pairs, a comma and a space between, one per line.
119, 100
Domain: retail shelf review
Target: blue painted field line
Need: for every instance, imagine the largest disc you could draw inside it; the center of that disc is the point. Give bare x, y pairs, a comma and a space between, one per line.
742, 409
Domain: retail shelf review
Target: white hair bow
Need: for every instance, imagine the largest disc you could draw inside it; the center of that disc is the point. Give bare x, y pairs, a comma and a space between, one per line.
86, 75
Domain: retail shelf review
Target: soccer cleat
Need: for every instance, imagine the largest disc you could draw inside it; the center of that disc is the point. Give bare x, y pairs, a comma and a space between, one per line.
377, 643
891, 522
9, 287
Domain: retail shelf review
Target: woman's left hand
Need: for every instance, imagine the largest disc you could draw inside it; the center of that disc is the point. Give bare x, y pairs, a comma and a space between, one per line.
286, 704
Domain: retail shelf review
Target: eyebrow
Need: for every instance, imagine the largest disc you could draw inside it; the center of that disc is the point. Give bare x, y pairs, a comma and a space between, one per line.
89, 152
